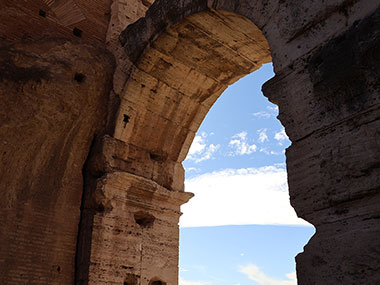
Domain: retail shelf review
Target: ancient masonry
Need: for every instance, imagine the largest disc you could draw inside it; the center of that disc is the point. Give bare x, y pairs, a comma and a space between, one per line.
100, 101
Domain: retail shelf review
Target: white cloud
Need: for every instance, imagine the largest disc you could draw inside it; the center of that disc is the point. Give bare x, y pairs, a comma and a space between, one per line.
207, 154
240, 144
281, 136
263, 135
239, 197
192, 169
254, 273
273, 109
269, 113
272, 152
200, 151
197, 146
184, 282
262, 115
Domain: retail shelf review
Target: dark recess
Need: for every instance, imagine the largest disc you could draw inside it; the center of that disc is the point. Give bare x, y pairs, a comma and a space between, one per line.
144, 219
77, 32
157, 282
42, 13
79, 77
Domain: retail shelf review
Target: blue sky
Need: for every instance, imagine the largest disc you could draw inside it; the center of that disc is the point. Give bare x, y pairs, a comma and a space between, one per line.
240, 228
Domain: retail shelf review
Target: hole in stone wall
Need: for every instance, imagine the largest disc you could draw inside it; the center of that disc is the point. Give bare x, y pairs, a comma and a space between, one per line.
147, 3
144, 219
79, 77
126, 118
157, 157
130, 279
58, 268
77, 32
42, 13
157, 282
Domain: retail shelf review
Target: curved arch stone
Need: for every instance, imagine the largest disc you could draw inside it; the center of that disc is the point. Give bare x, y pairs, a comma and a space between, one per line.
326, 60
297, 35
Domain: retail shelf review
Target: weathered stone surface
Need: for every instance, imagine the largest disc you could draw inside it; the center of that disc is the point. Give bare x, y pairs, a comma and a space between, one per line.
36, 19
171, 66
134, 231
335, 184
182, 74
124, 13
54, 98
330, 141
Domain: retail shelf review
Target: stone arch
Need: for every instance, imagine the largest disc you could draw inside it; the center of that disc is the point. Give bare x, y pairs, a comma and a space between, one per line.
326, 61
166, 97
298, 34
176, 81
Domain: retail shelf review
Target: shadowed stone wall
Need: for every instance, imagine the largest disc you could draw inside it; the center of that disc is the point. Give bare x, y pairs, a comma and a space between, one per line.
52, 107
114, 219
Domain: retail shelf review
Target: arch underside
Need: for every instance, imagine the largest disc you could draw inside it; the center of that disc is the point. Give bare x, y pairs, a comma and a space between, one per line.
179, 78
185, 67
171, 66
170, 90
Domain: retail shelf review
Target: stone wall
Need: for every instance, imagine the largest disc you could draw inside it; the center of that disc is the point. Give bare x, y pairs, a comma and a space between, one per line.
324, 86
32, 20
91, 177
55, 78
54, 98
335, 184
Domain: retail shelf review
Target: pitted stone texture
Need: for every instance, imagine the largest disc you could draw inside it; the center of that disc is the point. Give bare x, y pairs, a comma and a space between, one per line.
54, 100
134, 231
171, 67
345, 252
124, 13
327, 130
112, 155
36, 19
179, 78
333, 162
340, 139
291, 28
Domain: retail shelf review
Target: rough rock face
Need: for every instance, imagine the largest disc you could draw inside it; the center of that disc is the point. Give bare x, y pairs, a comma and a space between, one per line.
77, 19
124, 13
319, 91
345, 160
54, 98
114, 219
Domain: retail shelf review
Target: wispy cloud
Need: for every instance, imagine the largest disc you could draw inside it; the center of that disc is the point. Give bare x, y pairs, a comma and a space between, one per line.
270, 112
239, 197
281, 136
254, 273
262, 115
271, 152
200, 151
239, 143
189, 169
184, 282
263, 135
198, 145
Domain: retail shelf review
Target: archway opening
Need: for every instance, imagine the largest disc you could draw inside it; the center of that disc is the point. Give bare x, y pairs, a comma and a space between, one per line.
239, 227
172, 86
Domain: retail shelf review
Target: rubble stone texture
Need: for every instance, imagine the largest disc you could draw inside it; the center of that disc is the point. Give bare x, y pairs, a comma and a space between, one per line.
54, 98
91, 177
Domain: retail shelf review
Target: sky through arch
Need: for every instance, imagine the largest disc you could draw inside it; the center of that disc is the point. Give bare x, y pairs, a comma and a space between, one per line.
240, 228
